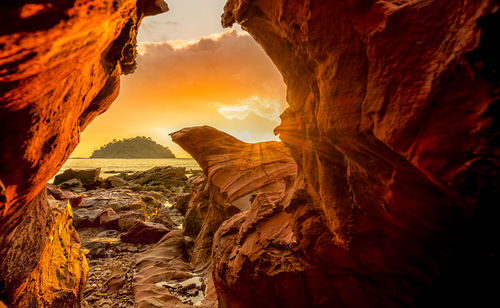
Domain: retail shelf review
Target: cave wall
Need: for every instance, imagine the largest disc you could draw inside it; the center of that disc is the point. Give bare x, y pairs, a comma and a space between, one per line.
60, 63
393, 123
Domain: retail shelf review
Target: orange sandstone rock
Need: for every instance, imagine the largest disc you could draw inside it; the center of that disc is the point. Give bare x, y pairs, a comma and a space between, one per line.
61, 269
236, 174
392, 122
60, 64
393, 126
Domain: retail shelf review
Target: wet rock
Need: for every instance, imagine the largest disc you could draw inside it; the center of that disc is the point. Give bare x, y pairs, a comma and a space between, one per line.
87, 177
84, 217
120, 200
161, 179
144, 232
154, 201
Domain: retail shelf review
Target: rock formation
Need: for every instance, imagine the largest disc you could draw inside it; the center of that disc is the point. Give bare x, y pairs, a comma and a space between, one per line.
392, 122
236, 173
86, 177
59, 68
59, 272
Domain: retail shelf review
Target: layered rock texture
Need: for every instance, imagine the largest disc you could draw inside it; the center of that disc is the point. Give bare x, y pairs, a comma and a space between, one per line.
177, 271
393, 123
236, 173
60, 64
390, 199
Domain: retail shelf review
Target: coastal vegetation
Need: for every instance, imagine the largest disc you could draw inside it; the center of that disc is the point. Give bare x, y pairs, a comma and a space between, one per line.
137, 147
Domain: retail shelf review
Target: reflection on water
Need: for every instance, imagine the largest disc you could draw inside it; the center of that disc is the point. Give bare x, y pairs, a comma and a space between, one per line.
117, 165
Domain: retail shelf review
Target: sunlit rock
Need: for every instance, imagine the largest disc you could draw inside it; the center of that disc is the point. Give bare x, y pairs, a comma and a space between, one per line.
59, 68
236, 173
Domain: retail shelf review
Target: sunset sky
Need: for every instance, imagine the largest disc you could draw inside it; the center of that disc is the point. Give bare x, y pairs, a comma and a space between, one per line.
192, 72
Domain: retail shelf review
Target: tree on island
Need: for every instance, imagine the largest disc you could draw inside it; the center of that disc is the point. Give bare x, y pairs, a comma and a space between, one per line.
138, 147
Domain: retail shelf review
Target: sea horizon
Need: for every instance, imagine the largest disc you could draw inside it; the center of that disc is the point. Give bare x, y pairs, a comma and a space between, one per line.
113, 166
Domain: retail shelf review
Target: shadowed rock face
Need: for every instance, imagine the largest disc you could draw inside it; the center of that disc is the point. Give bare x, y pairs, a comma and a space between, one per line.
392, 122
60, 64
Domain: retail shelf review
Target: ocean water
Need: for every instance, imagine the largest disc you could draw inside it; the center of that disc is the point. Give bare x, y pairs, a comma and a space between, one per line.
116, 165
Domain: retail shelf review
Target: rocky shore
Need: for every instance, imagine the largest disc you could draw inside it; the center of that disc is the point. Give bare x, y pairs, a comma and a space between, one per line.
122, 222
149, 236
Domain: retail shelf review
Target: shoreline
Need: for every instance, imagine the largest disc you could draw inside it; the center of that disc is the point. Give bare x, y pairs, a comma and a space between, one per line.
121, 220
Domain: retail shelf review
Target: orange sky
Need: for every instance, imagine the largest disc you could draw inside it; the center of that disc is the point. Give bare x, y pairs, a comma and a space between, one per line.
224, 80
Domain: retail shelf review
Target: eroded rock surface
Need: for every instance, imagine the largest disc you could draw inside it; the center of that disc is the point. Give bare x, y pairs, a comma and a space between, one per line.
59, 68
177, 271
392, 122
235, 173
61, 270
116, 226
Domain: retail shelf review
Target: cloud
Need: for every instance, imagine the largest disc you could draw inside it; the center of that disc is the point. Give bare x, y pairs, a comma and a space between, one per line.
266, 108
228, 66
223, 80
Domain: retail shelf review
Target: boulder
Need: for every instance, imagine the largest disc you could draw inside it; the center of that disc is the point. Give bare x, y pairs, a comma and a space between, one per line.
163, 217
100, 247
144, 233
121, 221
181, 202
86, 218
234, 176
116, 181
73, 184
87, 177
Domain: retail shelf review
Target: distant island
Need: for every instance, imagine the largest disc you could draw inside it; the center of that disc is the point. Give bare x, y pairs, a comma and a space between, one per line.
138, 147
